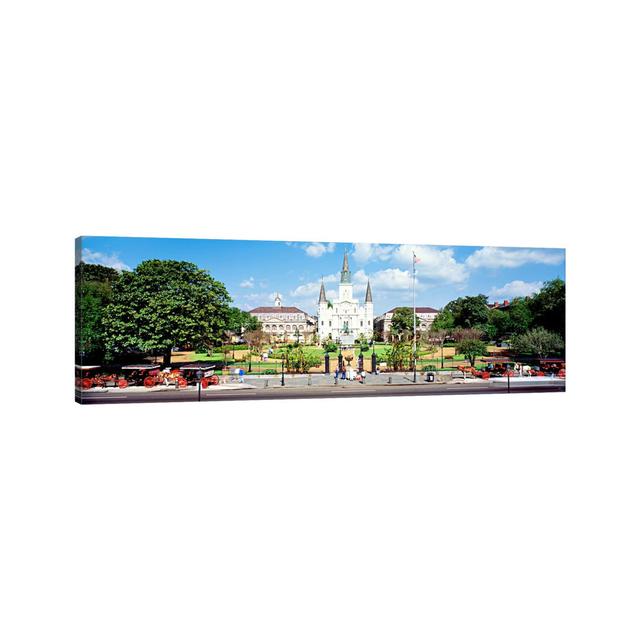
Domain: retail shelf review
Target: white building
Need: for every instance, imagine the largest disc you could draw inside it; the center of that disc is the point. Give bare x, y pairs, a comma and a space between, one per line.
343, 320
288, 324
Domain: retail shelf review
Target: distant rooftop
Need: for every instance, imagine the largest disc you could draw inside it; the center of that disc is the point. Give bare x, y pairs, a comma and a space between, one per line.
418, 310
277, 310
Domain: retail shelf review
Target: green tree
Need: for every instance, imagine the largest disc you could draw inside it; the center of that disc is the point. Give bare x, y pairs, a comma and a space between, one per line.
501, 323
402, 322
399, 356
471, 349
469, 311
444, 321
240, 321
469, 343
165, 303
94, 285
520, 316
297, 360
548, 306
538, 342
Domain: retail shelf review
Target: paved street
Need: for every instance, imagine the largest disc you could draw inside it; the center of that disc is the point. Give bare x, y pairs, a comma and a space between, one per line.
299, 388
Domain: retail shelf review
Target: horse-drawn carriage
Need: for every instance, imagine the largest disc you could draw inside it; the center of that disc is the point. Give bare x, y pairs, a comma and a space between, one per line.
204, 372
147, 375
555, 367
499, 367
87, 375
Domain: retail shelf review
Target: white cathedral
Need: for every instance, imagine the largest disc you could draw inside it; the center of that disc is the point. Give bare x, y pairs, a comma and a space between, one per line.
343, 320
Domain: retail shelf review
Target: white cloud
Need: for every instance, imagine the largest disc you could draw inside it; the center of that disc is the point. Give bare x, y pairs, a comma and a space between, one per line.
248, 283
317, 249
364, 251
392, 280
496, 257
434, 264
305, 290
515, 289
95, 257
309, 288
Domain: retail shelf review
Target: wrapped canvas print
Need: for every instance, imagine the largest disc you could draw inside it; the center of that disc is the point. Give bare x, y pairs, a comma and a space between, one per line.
160, 320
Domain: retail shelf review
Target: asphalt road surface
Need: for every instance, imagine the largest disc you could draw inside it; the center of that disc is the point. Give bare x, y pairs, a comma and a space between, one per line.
347, 391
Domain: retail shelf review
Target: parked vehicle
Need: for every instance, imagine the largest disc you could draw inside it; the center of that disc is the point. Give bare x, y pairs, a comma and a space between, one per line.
86, 375
140, 374
203, 371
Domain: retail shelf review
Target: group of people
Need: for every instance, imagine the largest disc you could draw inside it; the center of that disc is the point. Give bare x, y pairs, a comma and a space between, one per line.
349, 373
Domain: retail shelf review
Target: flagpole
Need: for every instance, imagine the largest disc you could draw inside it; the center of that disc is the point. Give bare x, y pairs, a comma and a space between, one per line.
414, 316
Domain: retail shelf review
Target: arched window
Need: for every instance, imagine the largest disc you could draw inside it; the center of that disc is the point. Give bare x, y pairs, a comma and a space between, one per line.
288, 327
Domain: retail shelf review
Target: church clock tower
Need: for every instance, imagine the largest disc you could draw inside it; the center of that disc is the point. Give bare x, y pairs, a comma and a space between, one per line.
345, 291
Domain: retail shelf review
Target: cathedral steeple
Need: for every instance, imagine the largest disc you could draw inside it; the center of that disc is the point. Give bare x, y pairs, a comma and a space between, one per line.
345, 275
323, 295
368, 297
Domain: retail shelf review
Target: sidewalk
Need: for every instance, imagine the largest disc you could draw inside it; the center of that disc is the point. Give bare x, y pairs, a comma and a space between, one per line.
328, 380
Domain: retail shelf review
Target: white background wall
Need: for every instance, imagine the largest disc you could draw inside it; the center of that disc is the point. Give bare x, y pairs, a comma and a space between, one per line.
463, 517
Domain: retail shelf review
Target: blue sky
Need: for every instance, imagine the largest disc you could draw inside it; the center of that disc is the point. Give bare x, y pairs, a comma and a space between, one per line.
254, 270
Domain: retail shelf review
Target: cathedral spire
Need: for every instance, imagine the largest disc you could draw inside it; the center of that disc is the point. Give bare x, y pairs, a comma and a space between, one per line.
345, 275
368, 297
323, 295
345, 262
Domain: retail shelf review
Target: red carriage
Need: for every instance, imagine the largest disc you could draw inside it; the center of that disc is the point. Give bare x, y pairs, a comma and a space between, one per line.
555, 367
199, 371
87, 376
498, 367
147, 375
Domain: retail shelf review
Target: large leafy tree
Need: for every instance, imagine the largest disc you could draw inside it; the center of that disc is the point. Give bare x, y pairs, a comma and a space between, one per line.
444, 321
548, 306
165, 303
94, 285
538, 342
520, 316
501, 323
240, 321
469, 311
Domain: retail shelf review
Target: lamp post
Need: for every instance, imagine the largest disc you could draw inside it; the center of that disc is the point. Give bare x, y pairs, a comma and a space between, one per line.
282, 379
199, 378
414, 317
